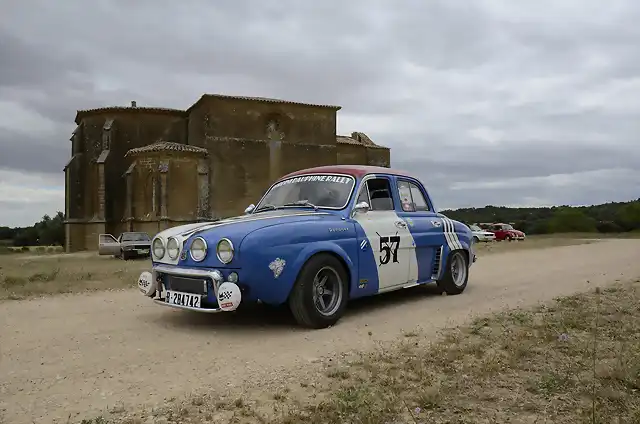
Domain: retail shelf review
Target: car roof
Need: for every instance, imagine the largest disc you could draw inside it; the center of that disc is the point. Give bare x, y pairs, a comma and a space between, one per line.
354, 170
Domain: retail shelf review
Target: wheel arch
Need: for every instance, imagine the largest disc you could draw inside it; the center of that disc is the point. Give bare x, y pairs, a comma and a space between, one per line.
328, 249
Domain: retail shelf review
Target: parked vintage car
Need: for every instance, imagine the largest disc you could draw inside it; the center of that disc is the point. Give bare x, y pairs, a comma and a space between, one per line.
481, 235
506, 232
318, 238
128, 245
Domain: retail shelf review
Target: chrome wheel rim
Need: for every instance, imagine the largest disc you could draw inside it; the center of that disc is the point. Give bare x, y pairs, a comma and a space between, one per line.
458, 270
327, 291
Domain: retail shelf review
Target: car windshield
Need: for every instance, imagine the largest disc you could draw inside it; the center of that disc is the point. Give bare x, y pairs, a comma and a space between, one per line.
135, 237
475, 228
321, 191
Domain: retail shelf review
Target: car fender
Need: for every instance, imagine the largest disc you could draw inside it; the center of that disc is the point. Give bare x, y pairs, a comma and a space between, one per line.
327, 247
276, 257
464, 235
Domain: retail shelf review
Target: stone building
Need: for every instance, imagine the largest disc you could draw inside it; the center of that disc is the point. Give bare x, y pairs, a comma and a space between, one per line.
147, 169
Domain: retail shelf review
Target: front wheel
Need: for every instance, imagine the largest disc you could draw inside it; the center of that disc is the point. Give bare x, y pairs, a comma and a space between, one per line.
455, 278
476, 239
320, 295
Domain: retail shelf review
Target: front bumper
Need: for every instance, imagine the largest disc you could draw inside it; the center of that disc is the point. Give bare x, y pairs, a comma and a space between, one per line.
163, 302
214, 277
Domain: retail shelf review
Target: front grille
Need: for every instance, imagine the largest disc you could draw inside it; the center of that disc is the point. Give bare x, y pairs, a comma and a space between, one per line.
186, 284
141, 246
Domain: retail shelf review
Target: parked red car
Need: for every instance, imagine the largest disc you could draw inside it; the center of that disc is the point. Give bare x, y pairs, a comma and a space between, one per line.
506, 232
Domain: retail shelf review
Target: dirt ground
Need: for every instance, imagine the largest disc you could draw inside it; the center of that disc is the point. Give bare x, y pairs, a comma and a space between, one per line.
66, 355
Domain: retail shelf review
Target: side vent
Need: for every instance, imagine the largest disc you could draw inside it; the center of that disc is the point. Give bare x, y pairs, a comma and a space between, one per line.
436, 263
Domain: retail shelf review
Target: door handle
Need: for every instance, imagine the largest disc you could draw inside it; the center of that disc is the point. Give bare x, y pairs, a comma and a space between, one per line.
401, 224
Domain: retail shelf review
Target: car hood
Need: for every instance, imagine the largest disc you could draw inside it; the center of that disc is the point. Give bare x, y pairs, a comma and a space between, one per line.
237, 228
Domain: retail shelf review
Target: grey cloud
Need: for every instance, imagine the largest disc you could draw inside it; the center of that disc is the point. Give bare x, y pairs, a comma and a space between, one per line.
473, 164
418, 78
26, 153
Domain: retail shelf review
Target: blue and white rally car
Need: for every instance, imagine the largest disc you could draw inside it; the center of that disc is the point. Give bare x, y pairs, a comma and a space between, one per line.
316, 239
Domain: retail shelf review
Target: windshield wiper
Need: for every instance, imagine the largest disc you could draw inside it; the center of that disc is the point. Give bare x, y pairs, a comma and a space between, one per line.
266, 206
302, 203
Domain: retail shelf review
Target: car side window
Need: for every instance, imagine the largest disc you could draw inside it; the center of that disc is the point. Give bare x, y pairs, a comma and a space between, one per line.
411, 197
364, 195
380, 194
418, 198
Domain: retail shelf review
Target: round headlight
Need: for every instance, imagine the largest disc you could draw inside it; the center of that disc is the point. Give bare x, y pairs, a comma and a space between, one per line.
158, 248
224, 251
173, 248
233, 277
198, 249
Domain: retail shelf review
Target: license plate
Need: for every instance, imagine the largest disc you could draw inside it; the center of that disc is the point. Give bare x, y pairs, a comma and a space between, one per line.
182, 299
143, 251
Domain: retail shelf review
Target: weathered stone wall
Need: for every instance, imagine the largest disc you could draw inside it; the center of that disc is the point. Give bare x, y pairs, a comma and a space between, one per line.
252, 143
74, 187
182, 188
238, 173
349, 154
248, 119
378, 157
74, 236
131, 128
91, 233
150, 227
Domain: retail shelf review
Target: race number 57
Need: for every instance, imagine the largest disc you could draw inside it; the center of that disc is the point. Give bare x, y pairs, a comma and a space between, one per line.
389, 249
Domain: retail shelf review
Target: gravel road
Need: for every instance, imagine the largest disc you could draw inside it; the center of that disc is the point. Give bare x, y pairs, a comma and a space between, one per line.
83, 353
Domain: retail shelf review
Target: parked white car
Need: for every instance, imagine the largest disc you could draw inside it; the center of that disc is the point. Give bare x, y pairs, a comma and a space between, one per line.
481, 235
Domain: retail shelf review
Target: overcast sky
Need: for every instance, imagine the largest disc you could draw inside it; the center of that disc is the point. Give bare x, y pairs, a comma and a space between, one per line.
488, 102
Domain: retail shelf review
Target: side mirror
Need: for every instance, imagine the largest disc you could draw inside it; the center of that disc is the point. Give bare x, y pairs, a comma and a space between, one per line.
362, 207
250, 208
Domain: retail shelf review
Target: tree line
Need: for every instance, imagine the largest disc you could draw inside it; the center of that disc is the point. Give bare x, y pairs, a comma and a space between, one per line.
47, 232
614, 217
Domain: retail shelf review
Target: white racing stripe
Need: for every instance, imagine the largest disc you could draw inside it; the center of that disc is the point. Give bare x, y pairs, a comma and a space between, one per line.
447, 234
450, 234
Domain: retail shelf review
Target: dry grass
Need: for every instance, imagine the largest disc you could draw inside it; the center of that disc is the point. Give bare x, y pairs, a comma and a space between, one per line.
37, 271
30, 249
627, 235
532, 242
574, 361
23, 276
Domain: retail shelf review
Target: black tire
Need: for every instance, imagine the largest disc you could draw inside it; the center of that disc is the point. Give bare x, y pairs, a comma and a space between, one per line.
448, 282
124, 255
476, 239
301, 300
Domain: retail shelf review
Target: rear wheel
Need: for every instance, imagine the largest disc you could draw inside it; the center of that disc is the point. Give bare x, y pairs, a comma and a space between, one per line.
320, 294
455, 278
